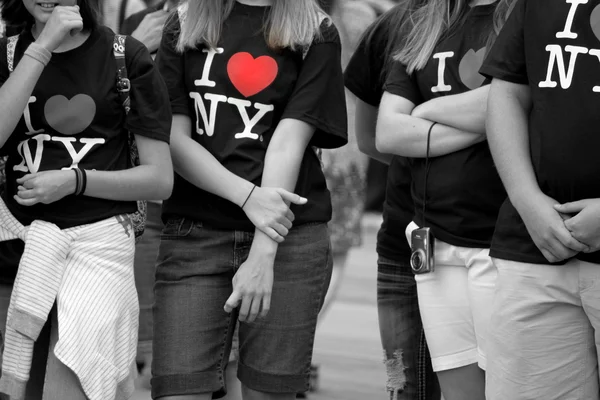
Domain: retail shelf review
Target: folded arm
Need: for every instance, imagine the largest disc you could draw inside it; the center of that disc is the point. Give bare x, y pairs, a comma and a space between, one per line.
465, 111
365, 123
400, 133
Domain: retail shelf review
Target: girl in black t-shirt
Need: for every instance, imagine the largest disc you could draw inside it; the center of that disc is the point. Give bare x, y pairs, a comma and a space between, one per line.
434, 102
70, 189
399, 319
256, 87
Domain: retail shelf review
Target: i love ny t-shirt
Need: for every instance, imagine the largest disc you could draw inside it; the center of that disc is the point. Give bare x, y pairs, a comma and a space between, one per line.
74, 118
364, 77
236, 95
554, 48
464, 191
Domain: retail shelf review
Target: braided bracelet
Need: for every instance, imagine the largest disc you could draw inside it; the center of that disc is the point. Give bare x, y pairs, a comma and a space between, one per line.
38, 53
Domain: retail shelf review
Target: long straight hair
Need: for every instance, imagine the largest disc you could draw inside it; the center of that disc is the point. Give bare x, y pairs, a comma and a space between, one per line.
290, 23
433, 20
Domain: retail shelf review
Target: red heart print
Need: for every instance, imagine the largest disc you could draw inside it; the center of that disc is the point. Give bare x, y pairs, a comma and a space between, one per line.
70, 117
251, 75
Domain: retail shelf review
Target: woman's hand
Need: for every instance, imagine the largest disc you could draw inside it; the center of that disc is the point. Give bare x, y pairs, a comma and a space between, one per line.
45, 187
584, 224
63, 21
252, 286
548, 229
268, 210
150, 30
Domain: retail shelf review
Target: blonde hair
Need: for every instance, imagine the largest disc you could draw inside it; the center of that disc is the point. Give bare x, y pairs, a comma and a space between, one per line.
290, 23
429, 21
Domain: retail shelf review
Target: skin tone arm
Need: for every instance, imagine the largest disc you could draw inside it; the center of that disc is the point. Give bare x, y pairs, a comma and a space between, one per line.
253, 282
584, 224
151, 180
266, 207
365, 122
15, 92
465, 111
400, 133
509, 106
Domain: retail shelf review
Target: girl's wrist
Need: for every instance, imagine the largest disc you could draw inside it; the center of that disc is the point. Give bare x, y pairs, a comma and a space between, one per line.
39, 53
243, 194
71, 184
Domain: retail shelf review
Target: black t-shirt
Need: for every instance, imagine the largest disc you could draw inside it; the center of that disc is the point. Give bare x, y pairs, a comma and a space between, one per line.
237, 94
75, 119
363, 77
464, 191
554, 48
75, 111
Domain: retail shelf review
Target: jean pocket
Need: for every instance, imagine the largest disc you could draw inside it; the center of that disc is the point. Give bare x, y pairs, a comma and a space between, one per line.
176, 228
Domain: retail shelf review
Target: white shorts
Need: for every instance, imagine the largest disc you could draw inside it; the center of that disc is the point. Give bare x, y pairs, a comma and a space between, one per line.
543, 344
455, 302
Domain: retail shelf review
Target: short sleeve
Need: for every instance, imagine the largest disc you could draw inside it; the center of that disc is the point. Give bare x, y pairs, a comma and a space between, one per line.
150, 113
170, 65
400, 83
318, 97
363, 74
506, 60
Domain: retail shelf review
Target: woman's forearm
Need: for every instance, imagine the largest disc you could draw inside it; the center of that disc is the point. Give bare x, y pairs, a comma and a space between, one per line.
406, 136
282, 166
465, 111
152, 180
365, 122
509, 109
15, 94
400, 133
145, 182
199, 167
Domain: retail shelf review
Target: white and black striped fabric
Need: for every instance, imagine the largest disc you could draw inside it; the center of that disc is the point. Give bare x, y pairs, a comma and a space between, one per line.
88, 272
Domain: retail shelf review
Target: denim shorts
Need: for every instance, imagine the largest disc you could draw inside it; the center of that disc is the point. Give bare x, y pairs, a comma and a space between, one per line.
192, 332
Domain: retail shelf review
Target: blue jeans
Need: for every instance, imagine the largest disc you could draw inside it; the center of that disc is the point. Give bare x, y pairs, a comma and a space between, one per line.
408, 365
146, 251
192, 332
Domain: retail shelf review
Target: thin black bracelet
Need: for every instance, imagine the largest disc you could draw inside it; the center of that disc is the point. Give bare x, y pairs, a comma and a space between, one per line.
77, 182
249, 194
83, 182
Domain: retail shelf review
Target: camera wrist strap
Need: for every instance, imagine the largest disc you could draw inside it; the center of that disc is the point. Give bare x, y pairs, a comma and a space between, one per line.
426, 172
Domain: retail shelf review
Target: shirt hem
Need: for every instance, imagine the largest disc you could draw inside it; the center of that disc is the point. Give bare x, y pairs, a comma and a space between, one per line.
356, 90
400, 91
333, 138
492, 72
521, 258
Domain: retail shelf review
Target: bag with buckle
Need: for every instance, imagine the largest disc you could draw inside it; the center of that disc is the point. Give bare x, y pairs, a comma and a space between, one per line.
138, 219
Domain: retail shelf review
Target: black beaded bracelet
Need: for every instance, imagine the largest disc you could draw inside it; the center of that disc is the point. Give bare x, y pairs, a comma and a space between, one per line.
83, 182
77, 181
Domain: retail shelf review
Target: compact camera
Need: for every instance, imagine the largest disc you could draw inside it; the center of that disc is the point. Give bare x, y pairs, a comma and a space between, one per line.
422, 243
